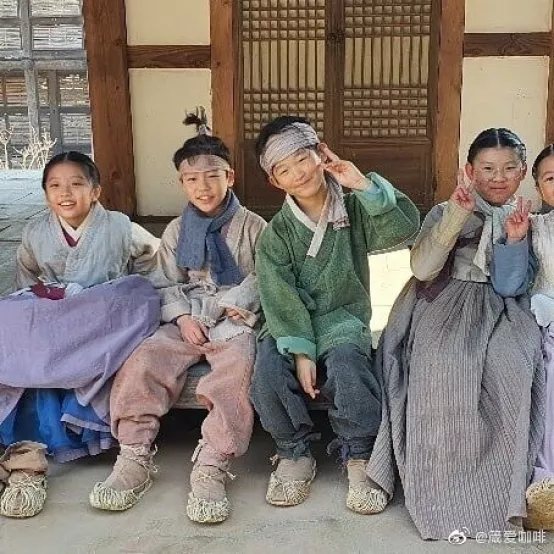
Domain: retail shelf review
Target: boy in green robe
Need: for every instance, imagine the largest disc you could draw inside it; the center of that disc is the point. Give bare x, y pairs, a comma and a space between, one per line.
313, 276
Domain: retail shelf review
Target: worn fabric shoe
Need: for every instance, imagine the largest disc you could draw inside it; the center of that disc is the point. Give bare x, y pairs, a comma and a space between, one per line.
364, 496
129, 481
540, 506
289, 484
24, 495
207, 501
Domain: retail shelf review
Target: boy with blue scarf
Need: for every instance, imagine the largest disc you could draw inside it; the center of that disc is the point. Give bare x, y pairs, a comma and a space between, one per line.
210, 307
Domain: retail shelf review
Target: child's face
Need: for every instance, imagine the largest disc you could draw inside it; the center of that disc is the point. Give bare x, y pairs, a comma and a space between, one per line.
545, 180
496, 174
300, 174
206, 190
69, 193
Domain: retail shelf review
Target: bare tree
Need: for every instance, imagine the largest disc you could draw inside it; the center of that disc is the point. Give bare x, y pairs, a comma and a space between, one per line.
5, 138
38, 150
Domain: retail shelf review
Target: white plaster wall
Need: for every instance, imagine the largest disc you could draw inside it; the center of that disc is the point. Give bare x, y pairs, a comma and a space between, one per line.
168, 21
505, 92
159, 101
508, 16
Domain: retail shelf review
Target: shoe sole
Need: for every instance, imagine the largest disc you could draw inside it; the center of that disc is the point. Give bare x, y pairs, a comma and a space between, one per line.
115, 508
285, 504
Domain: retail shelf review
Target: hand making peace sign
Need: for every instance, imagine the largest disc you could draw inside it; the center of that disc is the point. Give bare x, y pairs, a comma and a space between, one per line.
346, 173
517, 224
463, 193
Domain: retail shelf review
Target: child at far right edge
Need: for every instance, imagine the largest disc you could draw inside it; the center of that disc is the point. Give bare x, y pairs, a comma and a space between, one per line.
539, 231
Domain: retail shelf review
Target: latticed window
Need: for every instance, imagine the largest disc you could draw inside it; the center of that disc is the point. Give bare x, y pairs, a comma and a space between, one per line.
360, 70
284, 61
386, 68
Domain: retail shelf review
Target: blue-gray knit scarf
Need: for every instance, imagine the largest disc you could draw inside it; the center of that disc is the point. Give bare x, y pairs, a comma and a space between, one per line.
200, 240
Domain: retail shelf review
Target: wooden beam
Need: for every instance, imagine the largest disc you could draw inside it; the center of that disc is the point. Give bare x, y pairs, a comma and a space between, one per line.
506, 44
169, 57
549, 131
43, 65
334, 70
450, 59
224, 64
110, 106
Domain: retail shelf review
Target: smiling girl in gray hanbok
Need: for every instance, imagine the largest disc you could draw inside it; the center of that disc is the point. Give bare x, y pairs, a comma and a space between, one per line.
463, 381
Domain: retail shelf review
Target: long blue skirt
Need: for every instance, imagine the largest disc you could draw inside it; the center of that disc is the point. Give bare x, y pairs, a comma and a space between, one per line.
55, 418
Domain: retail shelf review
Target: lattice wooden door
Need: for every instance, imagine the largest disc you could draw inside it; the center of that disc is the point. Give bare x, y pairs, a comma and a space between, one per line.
363, 71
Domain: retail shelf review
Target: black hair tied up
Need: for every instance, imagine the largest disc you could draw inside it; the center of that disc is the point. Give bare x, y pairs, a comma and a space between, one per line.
545, 153
200, 120
497, 138
203, 144
87, 166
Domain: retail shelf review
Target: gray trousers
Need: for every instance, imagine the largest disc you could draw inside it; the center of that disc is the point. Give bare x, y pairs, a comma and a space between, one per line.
345, 378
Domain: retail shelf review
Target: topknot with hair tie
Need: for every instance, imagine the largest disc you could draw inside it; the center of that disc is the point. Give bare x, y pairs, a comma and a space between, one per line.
202, 145
200, 120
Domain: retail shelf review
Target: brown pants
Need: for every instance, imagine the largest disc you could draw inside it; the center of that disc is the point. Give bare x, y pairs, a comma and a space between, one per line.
152, 379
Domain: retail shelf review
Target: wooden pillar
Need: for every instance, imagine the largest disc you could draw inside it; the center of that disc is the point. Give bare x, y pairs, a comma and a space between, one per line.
225, 70
54, 102
110, 106
29, 71
446, 140
550, 98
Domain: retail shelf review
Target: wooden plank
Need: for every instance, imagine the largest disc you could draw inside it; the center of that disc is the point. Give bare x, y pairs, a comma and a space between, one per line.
50, 21
58, 55
31, 85
188, 401
106, 46
506, 44
169, 57
29, 71
224, 61
55, 116
43, 65
549, 132
446, 139
78, 110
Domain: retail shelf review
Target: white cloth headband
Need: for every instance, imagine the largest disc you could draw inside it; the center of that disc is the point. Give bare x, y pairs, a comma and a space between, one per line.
293, 137
203, 162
